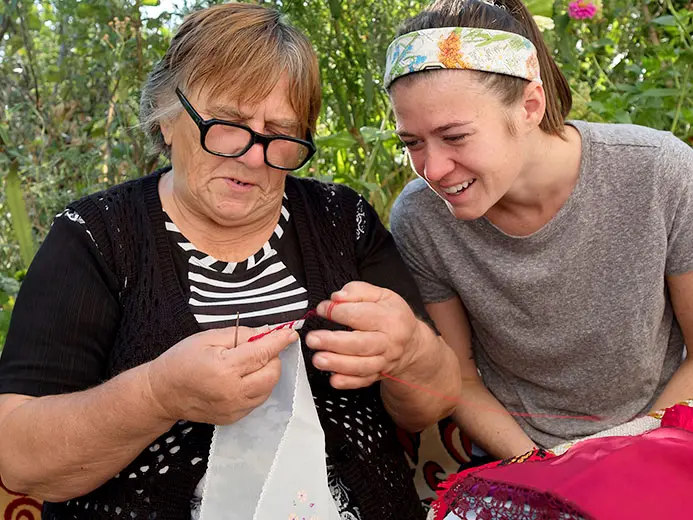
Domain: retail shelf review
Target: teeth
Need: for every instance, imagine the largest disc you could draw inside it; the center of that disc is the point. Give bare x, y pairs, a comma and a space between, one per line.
452, 190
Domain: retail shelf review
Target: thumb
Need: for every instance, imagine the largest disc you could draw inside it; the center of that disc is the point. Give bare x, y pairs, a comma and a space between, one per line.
252, 356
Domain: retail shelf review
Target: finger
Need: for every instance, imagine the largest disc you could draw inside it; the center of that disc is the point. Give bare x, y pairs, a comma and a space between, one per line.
342, 382
258, 385
365, 316
253, 356
360, 292
350, 342
350, 365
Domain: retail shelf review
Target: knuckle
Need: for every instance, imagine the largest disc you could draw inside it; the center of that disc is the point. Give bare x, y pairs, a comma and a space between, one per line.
352, 285
263, 355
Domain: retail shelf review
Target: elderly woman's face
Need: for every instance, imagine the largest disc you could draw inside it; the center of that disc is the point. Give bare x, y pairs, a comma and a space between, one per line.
230, 191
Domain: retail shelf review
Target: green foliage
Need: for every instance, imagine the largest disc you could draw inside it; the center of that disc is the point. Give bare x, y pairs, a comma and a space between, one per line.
20, 218
9, 286
71, 73
631, 64
356, 143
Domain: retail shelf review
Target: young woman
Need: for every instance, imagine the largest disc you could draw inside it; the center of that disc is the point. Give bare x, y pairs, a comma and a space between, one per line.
555, 257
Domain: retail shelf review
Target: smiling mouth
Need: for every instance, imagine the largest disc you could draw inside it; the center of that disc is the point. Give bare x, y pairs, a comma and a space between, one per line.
458, 188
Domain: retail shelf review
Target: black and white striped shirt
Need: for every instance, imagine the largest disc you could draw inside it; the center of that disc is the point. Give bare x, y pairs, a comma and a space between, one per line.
261, 289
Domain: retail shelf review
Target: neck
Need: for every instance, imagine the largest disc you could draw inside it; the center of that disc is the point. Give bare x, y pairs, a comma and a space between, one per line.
546, 180
226, 242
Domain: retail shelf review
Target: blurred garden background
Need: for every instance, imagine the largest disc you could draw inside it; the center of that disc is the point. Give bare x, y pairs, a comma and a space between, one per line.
71, 72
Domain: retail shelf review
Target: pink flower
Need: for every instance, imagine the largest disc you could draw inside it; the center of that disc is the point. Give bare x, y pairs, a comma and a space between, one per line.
581, 9
679, 416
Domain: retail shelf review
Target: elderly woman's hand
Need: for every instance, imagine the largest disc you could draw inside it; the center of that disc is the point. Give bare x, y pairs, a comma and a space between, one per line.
204, 379
384, 336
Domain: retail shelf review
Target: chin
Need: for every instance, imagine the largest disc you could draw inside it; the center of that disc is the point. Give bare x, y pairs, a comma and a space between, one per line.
465, 212
227, 212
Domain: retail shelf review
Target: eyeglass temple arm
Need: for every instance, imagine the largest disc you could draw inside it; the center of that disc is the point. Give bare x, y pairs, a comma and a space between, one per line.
189, 108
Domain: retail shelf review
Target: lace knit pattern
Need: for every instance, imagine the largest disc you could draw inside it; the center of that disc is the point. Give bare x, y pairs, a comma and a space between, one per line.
127, 225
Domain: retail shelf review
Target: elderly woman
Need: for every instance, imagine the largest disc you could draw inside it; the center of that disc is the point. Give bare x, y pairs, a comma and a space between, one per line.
123, 334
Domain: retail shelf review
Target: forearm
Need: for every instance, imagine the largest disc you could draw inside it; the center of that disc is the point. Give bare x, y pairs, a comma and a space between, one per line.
59, 447
484, 419
433, 366
679, 388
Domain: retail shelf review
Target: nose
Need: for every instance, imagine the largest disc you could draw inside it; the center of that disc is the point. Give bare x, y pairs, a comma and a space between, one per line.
254, 157
437, 164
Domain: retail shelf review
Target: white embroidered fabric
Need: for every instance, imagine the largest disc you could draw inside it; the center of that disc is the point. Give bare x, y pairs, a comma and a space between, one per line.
271, 464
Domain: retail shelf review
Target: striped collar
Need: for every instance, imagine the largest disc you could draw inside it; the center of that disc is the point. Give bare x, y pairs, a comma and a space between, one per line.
202, 259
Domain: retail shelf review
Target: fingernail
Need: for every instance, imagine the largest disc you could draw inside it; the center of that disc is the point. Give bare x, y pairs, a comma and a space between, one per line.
294, 335
319, 361
313, 341
339, 295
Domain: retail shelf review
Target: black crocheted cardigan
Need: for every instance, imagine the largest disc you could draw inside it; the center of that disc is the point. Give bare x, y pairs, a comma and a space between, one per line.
127, 225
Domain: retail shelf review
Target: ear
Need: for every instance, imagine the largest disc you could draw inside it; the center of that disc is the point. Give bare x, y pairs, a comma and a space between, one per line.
533, 105
166, 127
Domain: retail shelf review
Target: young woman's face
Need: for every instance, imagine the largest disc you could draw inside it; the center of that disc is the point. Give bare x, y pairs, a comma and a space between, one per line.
458, 137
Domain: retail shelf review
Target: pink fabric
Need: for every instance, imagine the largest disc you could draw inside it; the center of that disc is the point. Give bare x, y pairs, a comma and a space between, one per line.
643, 477
679, 416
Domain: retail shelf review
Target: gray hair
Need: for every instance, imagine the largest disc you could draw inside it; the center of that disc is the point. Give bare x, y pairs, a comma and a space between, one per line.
233, 50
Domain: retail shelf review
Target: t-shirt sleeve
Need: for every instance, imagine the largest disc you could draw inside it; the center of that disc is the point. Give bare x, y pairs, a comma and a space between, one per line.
676, 165
65, 317
411, 242
379, 261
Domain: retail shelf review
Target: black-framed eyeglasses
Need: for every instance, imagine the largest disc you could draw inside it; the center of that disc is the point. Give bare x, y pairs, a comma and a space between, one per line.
228, 139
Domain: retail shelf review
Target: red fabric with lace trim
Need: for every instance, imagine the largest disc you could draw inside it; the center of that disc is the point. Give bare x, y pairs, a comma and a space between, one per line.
640, 477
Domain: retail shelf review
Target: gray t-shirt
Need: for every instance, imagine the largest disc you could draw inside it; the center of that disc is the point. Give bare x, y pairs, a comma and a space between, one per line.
574, 319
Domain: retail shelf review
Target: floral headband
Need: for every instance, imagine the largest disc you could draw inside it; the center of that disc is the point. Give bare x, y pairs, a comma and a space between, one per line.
462, 48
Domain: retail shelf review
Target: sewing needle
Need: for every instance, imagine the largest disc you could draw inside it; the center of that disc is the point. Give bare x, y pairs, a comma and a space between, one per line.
238, 321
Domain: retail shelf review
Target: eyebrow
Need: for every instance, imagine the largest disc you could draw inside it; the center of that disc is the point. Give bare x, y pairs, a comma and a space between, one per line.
438, 130
225, 111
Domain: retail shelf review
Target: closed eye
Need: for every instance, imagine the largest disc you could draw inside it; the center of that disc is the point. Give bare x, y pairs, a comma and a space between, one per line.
455, 138
410, 144
281, 132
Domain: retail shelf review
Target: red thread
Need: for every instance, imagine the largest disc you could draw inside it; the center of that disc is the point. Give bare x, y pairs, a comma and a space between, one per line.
429, 391
330, 309
287, 325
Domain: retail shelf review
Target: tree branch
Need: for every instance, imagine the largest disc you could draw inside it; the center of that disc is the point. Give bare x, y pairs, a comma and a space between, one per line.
30, 56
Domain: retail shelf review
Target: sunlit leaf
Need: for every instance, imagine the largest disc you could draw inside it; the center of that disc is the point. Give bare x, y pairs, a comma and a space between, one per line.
666, 20
20, 218
338, 140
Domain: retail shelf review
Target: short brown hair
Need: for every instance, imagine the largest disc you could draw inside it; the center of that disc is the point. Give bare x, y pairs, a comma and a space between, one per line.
236, 49
510, 16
